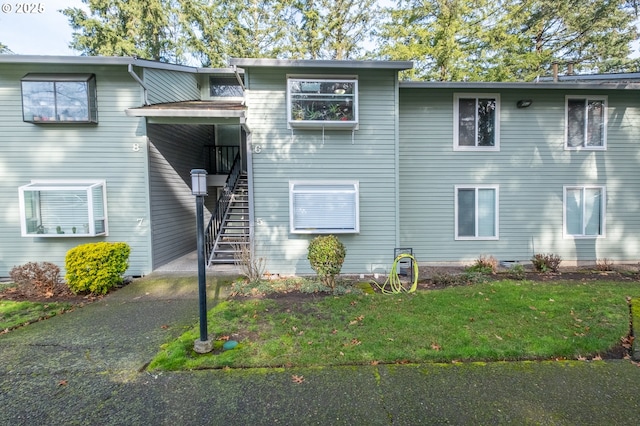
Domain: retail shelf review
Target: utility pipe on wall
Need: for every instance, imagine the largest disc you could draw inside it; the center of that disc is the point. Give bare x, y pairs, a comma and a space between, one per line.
140, 82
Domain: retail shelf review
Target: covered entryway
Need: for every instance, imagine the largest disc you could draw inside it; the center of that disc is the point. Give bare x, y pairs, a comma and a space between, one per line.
198, 134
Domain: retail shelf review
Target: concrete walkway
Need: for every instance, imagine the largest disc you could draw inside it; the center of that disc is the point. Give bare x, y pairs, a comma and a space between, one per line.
87, 367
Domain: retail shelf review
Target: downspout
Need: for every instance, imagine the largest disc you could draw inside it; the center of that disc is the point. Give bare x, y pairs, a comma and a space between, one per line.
140, 82
240, 82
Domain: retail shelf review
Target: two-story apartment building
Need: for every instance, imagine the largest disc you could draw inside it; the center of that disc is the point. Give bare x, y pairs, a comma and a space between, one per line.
100, 149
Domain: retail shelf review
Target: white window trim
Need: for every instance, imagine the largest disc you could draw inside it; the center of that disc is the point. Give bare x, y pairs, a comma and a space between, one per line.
568, 236
91, 95
356, 189
328, 124
456, 120
71, 185
605, 121
496, 188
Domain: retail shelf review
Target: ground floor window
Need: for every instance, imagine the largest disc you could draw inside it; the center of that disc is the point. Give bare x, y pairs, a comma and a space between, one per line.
584, 211
324, 207
63, 209
476, 212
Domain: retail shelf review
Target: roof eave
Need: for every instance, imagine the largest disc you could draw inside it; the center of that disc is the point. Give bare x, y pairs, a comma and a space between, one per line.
93, 60
213, 113
520, 86
303, 63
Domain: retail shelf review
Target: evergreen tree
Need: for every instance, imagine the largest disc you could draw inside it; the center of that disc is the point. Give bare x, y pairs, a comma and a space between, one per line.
141, 28
330, 29
501, 40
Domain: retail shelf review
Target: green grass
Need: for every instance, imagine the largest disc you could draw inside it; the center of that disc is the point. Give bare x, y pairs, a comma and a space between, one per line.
504, 320
16, 314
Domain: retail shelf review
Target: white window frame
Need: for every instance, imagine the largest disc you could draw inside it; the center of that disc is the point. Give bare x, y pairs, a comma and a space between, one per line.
336, 98
496, 212
603, 208
38, 108
584, 146
348, 187
456, 121
46, 228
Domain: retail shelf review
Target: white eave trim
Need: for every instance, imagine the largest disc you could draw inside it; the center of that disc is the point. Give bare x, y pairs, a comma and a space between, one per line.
303, 63
214, 113
519, 86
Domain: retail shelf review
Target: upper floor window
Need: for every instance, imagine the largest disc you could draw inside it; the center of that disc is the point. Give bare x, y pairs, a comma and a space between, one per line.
330, 103
59, 98
63, 209
584, 209
225, 87
476, 119
476, 211
586, 122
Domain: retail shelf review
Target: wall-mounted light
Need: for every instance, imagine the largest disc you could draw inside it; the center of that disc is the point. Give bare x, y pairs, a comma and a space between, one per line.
524, 103
198, 182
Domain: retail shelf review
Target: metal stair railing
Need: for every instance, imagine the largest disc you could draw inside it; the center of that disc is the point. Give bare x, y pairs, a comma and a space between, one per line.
214, 227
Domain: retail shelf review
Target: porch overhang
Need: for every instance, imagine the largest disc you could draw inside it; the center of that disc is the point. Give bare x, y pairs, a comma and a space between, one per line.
193, 112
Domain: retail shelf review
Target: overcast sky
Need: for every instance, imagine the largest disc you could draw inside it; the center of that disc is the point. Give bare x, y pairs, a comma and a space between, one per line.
36, 33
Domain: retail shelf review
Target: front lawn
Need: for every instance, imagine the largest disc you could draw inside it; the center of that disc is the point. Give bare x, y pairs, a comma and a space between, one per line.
502, 320
15, 314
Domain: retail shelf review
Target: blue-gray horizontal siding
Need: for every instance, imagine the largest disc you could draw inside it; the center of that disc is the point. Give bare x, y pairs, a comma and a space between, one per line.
530, 169
174, 151
286, 155
170, 86
75, 151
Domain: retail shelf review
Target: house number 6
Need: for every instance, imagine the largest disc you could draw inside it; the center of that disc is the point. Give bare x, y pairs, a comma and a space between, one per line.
136, 147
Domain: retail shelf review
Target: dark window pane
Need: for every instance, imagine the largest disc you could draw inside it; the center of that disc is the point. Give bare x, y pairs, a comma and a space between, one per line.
486, 122
575, 126
467, 122
595, 123
466, 213
225, 87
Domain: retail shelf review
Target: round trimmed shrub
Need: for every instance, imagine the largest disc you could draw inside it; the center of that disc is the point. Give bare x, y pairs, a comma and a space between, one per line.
96, 267
326, 256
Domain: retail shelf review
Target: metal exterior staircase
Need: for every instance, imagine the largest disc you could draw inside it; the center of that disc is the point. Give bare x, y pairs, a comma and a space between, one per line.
228, 230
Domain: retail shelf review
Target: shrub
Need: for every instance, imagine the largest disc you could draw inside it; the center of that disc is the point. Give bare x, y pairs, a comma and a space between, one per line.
37, 278
604, 265
251, 267
487, 265
545, 262
516, 272
96, 267
326, 256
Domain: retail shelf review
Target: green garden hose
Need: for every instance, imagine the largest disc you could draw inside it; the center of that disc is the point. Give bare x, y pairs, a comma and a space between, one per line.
393, 281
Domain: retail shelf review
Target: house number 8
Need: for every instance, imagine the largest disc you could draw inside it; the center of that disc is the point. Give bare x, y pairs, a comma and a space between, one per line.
136, 147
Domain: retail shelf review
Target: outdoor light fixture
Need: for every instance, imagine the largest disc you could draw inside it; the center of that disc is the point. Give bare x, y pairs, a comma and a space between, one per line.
524, 103
199, 182
199, 189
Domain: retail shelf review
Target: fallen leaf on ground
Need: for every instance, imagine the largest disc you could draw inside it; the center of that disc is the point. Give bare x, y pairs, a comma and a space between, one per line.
297, 379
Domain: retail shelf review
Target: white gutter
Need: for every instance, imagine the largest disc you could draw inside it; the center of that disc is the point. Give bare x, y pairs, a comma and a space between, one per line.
240, 82
140, 82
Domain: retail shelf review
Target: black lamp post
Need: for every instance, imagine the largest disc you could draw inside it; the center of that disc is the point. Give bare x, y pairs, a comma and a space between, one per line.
199, 189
